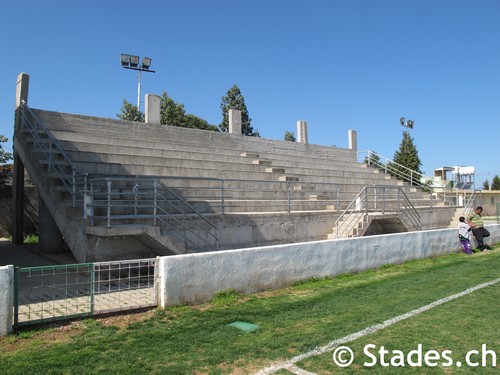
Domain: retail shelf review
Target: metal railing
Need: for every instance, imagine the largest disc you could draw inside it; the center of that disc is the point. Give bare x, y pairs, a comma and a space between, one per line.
221, 196
376, 199
470, 202
121, 200
397, 170
57, 160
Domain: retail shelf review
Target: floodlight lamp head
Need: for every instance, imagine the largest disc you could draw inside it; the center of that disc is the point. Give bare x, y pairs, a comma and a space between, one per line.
146, 62
410, 124
125, 59
134, 61
402, 121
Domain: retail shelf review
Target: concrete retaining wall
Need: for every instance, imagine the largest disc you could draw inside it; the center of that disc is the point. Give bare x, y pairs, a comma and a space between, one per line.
194, 278
6, 299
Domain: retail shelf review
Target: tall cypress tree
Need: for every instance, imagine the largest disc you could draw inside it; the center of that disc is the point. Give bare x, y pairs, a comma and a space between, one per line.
406, 156
495, 183
235, 100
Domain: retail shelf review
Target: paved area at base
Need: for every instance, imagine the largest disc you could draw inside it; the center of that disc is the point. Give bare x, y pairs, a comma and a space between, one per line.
101, 303
30, 255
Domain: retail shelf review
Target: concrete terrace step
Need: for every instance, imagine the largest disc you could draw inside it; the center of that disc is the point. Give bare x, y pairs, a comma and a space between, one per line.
100, 144
223, 163
170, 157
129, 130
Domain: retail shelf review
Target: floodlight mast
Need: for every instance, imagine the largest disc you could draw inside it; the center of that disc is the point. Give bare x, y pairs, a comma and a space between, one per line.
132, 62
408, 124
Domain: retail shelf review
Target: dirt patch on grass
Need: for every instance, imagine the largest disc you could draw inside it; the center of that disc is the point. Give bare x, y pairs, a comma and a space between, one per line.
62, 332
124, 320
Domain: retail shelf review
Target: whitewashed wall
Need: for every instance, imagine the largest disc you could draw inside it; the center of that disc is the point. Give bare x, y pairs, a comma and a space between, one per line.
194, 278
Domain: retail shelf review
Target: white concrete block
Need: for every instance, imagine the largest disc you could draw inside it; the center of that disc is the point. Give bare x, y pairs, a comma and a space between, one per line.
235, 122
152, 108
302, 136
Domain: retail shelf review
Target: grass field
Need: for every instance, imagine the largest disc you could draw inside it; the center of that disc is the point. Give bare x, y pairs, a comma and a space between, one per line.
292, 321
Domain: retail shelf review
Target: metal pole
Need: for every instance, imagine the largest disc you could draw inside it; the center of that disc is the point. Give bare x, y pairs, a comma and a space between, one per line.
155, 200
338, 198
222, 195
139, 92
288, 193
109, 203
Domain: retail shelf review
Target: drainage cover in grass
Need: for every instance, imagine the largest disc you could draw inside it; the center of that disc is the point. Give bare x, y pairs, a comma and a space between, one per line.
243, 326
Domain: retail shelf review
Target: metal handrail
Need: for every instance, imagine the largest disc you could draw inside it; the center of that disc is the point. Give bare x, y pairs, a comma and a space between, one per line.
146, 196
381, 162
219, 195
367, 202
68, 180
470, 203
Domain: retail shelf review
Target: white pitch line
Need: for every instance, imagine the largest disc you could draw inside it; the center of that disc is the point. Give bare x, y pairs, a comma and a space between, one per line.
371, 329
298, 371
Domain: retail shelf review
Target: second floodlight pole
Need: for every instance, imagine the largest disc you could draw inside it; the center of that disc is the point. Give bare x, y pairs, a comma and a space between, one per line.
139, 92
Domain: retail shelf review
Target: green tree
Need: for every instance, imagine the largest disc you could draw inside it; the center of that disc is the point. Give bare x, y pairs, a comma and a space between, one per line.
495, 183
406, 156
4, 155
373, 160
192, 121
289, 136
130, 112
486, 185
171, 112
235, 100
5, 169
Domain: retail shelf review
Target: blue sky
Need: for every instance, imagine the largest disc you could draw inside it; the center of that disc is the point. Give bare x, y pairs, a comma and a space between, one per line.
339, 65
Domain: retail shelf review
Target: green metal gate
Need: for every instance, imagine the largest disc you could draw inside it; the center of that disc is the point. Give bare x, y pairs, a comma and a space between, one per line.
43, 294
48, 293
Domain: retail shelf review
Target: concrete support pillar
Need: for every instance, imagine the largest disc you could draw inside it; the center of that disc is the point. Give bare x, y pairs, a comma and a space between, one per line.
18, 178
23, 81
50, 239
152, 108
302, 132
18, 201
6, 299
353, 140
235, 123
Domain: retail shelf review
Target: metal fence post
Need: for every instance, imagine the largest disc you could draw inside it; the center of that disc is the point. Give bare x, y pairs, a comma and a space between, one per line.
109, 202
134, 191
92, 288
73, 189
16, 296
90, 204
155, 198
398, 202
289, 196
222, 195
338, 198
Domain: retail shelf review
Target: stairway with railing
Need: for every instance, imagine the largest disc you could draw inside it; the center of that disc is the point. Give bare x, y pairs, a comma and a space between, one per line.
399, 171
374, 201
151, 198
51, 153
